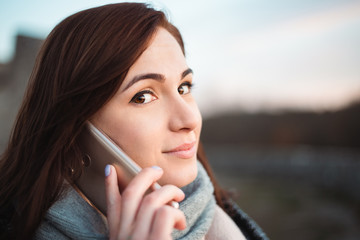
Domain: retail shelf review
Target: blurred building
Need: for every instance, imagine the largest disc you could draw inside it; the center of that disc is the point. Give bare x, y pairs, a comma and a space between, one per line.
14, 76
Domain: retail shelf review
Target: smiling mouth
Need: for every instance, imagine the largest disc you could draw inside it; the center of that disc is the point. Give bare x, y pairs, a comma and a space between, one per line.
185, 151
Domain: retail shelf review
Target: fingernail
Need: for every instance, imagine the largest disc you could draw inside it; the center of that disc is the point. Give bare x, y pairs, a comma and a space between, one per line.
156, 167
107, 170
175, 204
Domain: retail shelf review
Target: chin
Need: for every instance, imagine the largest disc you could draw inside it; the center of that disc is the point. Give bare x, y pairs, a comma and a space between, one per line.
180, 177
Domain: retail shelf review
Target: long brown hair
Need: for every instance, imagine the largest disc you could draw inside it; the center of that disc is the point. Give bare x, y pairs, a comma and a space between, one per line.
80, 66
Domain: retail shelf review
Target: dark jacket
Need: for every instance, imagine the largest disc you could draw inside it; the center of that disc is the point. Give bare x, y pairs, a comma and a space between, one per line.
248, 226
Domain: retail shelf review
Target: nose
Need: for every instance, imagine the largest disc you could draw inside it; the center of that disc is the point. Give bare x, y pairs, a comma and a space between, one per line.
184, 115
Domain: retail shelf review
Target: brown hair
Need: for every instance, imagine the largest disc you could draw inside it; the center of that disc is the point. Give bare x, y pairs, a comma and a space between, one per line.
79, 68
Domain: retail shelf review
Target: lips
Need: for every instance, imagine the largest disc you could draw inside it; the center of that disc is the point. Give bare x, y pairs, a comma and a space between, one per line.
186, 150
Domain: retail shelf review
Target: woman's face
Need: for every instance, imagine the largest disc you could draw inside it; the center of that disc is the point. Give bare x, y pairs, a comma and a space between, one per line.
153, 117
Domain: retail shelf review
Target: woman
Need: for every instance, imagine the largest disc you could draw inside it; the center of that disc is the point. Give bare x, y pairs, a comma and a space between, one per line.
121, 66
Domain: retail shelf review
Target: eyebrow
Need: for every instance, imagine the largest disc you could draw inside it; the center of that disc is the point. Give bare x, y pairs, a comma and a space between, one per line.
154, 76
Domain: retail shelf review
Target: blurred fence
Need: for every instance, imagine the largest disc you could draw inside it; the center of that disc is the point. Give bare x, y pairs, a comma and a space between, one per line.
336, 168
297, 192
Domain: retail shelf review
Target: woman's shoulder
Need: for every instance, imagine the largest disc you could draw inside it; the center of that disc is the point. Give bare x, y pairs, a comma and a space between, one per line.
71, 216
247, 225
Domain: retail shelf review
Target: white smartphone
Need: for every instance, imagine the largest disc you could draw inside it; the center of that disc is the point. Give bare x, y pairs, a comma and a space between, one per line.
99, 150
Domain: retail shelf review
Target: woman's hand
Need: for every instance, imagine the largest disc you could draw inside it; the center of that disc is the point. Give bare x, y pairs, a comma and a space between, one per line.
134, 215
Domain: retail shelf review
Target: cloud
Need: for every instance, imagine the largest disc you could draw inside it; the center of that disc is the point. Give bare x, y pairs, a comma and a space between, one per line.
309, 61
298, 29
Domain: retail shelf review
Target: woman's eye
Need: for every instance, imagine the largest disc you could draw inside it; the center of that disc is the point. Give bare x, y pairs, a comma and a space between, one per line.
143, 97
185, 88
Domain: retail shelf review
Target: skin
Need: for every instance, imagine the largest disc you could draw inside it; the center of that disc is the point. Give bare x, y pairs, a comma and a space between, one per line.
167, 118
156, 219
159, 127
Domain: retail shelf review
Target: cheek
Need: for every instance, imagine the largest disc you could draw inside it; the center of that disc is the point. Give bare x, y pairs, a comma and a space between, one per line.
140, 137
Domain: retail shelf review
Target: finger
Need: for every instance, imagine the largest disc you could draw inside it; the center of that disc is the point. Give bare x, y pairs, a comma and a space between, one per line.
132, 196
165, 220
150, 204
113, 200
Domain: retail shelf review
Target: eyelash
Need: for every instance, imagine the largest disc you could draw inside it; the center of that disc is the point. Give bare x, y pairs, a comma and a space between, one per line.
139, 94
189, 84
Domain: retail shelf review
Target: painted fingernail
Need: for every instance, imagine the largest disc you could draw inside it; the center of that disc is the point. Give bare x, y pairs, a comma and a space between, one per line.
107, 170
175, 204
156, 167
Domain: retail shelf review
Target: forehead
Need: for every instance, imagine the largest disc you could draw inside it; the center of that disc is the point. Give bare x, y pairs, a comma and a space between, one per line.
162, 39
163, 52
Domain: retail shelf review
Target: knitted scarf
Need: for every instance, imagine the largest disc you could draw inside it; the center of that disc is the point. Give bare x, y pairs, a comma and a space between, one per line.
198, 207
72, 217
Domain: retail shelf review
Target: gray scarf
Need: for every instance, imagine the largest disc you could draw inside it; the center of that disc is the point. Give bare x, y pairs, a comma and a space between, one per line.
198, 207
72, 217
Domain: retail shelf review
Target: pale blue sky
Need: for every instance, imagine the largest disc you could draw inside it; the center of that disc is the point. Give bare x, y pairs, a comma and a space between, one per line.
246, 54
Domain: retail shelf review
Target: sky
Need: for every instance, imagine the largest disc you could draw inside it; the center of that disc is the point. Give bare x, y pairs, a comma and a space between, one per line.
247, 55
